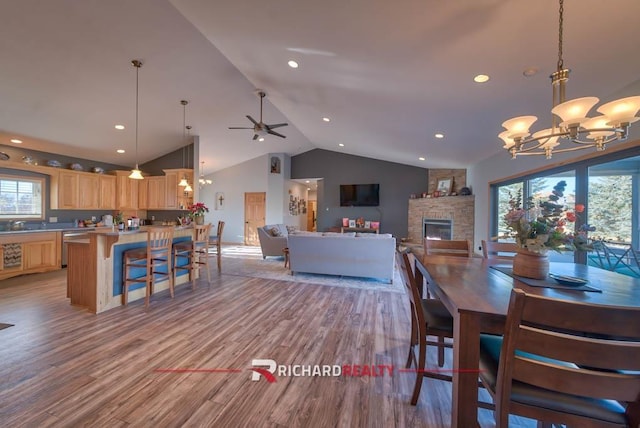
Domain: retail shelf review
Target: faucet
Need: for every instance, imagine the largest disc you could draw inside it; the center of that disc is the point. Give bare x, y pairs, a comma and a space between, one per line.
15, 225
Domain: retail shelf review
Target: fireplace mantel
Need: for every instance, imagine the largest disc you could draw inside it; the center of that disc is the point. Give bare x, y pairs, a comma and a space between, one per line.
460, 209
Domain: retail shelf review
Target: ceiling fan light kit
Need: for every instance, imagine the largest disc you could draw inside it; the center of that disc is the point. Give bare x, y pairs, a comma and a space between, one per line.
570, 123
261, 129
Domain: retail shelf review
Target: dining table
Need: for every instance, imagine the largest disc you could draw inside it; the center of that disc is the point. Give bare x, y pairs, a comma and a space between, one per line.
476, 292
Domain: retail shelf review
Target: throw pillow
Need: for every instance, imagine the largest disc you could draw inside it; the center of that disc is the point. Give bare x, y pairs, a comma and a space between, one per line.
274, 231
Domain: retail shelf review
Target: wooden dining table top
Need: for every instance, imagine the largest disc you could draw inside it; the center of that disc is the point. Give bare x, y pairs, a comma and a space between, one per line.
477, 296
476, 287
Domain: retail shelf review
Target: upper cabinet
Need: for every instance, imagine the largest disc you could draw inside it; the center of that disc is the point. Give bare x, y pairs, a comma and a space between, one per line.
74, 190
177, 198
126, 191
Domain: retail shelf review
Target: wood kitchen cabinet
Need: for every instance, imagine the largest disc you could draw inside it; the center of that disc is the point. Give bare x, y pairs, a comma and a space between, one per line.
177, 198
107, 184
88, 196
67, 187
75, 190
126, 191
31, 252
156, 192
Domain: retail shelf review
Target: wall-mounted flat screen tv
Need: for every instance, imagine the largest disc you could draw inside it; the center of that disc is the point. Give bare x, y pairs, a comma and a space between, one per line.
359, 195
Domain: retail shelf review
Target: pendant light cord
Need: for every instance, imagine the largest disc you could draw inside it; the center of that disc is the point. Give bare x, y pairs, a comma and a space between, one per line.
560, 25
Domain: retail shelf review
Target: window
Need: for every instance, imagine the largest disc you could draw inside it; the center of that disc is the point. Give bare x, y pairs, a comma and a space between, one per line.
609, 186
21, 198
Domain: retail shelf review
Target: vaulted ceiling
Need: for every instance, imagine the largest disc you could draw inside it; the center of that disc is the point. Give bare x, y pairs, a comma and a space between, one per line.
388, 75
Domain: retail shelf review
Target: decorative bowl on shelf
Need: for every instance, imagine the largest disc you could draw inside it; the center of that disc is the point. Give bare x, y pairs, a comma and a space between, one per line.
54, 163
76, 167
27, 159
4, 156
97, 170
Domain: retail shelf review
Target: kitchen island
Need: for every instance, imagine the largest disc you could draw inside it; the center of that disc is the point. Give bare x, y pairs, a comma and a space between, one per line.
94, 270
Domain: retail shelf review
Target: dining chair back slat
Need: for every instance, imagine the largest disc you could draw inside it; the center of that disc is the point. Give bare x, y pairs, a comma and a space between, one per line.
499, 250
456, 248
566, 352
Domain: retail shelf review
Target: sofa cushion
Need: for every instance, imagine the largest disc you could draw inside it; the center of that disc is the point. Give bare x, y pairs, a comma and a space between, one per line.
344, 235
373, 235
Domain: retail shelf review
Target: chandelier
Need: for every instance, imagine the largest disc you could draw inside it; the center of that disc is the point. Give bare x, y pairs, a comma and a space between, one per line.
570, 123
202, 181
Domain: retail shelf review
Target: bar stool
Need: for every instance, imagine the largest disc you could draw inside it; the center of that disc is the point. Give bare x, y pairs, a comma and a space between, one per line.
155, 259
195, 252
217, 242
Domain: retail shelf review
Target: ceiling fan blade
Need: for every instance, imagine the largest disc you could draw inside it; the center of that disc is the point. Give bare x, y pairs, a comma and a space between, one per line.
277, 125
252, 120
276, 134
238, 127
255, 137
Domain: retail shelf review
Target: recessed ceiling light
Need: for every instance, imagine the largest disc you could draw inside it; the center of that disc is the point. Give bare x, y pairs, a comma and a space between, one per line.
481, 78
531, 71
439, 135
293, 64
326, 119
261, 139
421, 158
119, 127
16, 141
341, 145
307, 181
120, 150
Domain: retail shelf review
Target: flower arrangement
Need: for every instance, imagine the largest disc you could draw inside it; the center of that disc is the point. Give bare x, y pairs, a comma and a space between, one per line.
545, 226
197, 209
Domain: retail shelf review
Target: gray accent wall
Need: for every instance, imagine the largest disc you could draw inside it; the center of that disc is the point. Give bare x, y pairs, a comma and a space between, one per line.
332, 169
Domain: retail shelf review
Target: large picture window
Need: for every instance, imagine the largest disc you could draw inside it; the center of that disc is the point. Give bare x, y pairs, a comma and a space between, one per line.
21, 198
607, 185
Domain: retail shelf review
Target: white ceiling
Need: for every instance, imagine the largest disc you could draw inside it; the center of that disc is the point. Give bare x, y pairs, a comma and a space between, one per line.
388, 74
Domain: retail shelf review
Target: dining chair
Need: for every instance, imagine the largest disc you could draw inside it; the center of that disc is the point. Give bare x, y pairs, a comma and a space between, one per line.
458, 248
564, 362
429, 317
216, 241
505, 251
193, 255
148, 264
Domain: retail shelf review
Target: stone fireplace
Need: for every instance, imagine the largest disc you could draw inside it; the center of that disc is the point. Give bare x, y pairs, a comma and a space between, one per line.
456, 210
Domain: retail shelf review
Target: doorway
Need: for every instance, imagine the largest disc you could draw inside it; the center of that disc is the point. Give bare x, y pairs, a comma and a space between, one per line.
254, 215
311, 215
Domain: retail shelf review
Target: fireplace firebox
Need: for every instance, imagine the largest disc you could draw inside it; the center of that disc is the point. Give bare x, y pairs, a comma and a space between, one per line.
437, 228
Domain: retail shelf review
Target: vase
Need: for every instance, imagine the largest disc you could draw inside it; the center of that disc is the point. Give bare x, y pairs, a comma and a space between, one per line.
199, 219
531, 265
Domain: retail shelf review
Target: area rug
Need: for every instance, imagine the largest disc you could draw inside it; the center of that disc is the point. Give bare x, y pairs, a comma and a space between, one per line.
247, 261
3, 325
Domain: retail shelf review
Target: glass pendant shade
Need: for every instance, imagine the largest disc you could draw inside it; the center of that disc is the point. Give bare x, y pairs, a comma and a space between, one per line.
188, 188
599, 122
183, 182
574, 112
508, 142
136, 174
519, 126
546, 142
621, 111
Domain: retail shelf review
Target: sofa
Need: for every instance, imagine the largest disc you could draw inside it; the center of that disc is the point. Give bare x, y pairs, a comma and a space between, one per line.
365, 255
273, 239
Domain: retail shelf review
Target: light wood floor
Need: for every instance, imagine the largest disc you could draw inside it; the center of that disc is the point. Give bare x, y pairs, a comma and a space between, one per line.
62, 366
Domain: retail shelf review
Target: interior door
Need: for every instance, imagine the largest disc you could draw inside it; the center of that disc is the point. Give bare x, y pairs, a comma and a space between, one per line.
254, 215
311, 216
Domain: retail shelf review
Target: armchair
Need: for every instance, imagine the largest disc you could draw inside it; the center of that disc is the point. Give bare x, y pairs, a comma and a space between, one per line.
273, 239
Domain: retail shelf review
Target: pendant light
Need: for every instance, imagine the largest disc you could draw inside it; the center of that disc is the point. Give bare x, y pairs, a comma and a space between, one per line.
136, 174
188, 187
203, 181
183, 181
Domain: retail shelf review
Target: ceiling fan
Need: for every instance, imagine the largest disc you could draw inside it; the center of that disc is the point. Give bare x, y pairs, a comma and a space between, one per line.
260, 129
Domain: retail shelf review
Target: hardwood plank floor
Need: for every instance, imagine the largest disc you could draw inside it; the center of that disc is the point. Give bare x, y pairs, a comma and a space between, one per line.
63, 366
